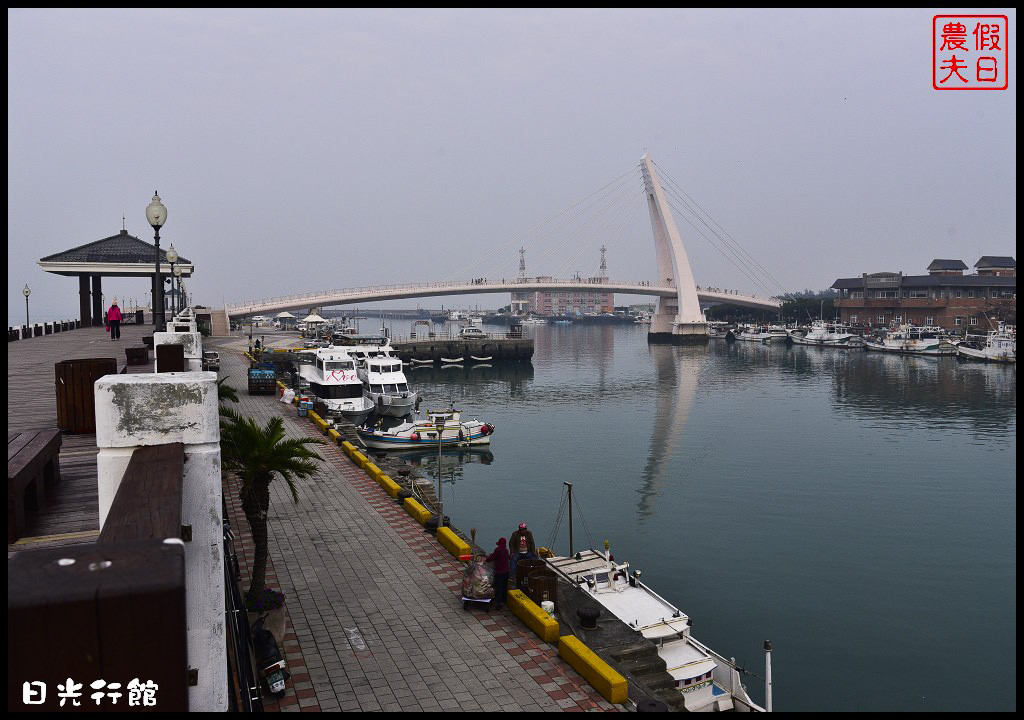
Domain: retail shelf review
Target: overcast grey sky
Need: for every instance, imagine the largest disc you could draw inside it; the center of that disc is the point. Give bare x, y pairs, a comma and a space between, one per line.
312, 149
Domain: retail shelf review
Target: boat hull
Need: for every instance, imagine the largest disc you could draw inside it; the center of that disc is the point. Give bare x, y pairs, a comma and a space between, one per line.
935, 349
393, 405
970, 353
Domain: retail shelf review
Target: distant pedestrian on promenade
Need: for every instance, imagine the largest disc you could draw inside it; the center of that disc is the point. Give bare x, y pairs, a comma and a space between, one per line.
521, 546
114, 320
500, 559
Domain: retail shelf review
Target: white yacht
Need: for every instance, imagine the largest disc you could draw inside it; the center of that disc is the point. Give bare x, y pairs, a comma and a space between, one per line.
386, 386
331, 374
824, 334
998, 345
913, 340
364, 347
706, 680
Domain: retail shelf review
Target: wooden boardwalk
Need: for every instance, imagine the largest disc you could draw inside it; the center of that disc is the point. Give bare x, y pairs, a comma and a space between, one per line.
72, 515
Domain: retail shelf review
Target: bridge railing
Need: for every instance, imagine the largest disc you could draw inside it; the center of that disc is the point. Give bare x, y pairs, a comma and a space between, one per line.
313, 298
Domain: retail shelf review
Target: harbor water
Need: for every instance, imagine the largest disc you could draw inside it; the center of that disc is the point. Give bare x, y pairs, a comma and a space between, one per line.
857, 509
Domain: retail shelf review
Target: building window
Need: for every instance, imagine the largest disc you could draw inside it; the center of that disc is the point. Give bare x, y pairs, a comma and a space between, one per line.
958, 293
974, 321
930, 320
881, 319
918, 294
958, 320
857, 294
853, 318
970, 293
898, 319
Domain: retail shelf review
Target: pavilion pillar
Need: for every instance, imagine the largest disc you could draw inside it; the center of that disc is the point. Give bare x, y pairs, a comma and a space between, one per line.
83, 300
97, 300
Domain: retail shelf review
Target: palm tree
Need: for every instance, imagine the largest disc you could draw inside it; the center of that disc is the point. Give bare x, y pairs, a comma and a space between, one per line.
257, 454
226, 392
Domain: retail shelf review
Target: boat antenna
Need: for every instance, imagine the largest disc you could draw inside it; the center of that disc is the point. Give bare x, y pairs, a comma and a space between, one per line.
568, 491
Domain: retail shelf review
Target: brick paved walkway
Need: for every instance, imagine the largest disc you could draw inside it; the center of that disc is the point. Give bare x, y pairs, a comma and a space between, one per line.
375, 616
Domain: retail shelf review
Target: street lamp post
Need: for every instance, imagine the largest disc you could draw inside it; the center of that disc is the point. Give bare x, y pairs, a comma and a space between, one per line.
156, 214
26, 292
180, 303
440, 503
172, 257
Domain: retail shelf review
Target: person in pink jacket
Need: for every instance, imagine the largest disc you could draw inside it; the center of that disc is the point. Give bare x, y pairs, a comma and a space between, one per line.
114, 320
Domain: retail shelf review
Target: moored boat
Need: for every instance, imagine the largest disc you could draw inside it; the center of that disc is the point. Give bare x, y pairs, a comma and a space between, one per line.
913, 340
999, 346
822, 334
331, 375
456, 432
386, 386
762, 333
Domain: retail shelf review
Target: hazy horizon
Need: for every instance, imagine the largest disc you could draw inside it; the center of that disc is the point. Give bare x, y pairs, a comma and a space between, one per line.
302, 150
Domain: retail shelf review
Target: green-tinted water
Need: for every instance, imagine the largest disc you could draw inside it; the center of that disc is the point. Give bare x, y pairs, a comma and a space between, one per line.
857, 509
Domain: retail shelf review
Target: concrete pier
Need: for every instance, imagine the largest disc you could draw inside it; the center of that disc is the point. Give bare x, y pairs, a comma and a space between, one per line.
436, 349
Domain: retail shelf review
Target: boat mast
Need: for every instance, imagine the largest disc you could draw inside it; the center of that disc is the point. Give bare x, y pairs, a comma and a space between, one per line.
568, 485
768, 675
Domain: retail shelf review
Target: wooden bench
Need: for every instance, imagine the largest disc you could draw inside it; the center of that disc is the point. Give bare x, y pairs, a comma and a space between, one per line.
147, 340
33, 468
138, 355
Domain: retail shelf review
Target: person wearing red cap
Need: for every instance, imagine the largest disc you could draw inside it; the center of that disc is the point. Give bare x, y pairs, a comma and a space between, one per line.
521, 546
500, 559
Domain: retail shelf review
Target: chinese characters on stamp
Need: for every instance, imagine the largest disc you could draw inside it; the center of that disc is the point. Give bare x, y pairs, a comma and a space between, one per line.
970, 52
72, 694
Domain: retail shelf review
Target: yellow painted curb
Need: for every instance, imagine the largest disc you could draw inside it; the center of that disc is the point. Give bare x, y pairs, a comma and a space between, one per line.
533, 616
318, 421
452, 542
334, 435
601, 676
359, 459
372, 470
389, 485
418, 512
348, 448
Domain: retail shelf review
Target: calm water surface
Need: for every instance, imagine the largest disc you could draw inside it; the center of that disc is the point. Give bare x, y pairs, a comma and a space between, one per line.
856, 509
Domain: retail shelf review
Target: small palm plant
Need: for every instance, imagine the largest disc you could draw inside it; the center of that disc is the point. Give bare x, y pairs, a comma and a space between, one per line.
226, 393
257, 454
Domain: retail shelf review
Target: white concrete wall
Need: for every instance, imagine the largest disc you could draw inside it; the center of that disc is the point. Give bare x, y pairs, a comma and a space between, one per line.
134, 411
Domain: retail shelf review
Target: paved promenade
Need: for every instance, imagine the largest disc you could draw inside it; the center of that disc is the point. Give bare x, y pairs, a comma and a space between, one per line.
375, 619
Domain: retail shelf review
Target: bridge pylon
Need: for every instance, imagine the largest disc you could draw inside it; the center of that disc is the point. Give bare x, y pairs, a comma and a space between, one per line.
678, 319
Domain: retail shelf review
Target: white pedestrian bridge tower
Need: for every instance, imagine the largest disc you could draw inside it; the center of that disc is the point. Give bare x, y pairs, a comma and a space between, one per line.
678, 319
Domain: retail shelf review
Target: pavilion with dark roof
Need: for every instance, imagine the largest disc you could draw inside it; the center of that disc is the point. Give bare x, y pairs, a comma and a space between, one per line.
120, 255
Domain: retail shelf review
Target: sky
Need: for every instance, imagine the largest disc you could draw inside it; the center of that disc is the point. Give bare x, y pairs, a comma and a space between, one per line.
304, 150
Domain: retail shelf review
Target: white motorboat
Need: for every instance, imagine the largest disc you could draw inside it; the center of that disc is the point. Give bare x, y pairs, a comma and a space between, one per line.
822, 334
913, 340
998, 345
706, 680
422, 434
331, 374
533, 321
386, 386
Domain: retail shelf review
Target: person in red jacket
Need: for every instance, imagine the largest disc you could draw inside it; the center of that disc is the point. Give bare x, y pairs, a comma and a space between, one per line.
500, 559
114, 320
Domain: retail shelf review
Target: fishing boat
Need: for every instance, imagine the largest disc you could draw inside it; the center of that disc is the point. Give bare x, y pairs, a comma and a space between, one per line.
822, 334
998, 345
386, 386
456, 432
333, 381
706, 680
762, 334
913, 340
718, 330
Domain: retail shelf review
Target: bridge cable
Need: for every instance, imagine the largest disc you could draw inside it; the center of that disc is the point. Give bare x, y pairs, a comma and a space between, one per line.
622, 188
700, 232
517, 240
578, 232
733, 240
618, 226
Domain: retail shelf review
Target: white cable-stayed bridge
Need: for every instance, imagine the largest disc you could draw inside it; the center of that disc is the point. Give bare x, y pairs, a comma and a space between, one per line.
679, 315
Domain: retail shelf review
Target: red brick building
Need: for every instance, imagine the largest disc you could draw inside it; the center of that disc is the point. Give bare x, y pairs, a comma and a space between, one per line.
944, 297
